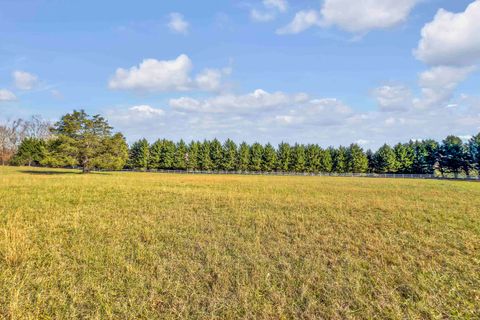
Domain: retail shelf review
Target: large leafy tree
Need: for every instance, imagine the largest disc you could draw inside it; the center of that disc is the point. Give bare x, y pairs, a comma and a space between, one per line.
88, 140
357, 161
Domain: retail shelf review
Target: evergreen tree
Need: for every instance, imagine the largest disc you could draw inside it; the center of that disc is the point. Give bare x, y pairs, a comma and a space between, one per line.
167, 155
269, 158
140, 154
229, 156
155, 154
313, 155
385, 160
193, 156
244, 157
298, 158
283, 157
371, 161
83, 138
474, 152
404, 155
357, 161
256, 157
340, 164
113, 153
179, 161
326, 161
204, 159
453, 156
30, 152
216, 153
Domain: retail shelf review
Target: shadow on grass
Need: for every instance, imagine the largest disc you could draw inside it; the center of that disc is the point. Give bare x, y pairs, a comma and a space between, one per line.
48, 173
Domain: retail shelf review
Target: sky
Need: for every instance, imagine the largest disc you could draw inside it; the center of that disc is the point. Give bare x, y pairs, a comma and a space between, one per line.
330, 72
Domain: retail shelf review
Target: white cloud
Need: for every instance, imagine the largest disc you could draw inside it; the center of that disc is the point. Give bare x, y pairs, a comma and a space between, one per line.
393, 98
260, 16
360, 16
166, 76
257, 100
270, 10
280, 5
146, 111
303, 20
438, 85
24, 80
177, 23
355, 16
7, 95
451, 38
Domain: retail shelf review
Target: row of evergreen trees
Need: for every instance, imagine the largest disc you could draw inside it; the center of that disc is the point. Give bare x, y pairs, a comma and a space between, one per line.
418, 157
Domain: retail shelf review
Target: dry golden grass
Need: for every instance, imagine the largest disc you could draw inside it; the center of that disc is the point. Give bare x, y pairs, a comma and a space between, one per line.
139, 245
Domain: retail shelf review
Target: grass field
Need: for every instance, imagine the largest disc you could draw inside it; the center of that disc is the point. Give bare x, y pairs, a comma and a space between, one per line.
139, 245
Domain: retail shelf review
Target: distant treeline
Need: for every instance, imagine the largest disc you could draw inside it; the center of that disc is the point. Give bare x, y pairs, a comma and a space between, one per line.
79, 140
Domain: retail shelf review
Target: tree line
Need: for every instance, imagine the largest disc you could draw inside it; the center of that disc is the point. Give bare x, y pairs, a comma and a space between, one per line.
80, 140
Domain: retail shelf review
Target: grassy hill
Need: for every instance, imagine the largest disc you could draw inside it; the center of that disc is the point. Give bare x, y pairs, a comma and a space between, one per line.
141, 245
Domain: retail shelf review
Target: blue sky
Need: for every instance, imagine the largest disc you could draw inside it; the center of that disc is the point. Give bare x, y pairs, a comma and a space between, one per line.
331, 72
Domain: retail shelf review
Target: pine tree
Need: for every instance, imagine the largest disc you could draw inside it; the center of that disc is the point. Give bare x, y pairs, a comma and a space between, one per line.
167, 155
140, 154
229, 156
269, 158
244, 157
357, 161
192, 156
339, 159
453, 156
474, 152
326, 161
30, 152
155, 154
298, 158
385, 160
216, 154
204, 159
371, 161
179, 161
283, 157
404, 156
256, 157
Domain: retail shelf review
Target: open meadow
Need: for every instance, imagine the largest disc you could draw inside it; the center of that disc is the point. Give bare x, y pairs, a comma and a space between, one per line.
146, 246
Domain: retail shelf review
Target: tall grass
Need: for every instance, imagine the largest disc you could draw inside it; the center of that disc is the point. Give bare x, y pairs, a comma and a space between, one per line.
140, 245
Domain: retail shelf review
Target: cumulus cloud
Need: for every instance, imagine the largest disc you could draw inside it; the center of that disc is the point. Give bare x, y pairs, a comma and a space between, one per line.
257, 100
355, 16
360, 16
269, 11
303, 20
280, 5
451, 38
7, 95
166, 76
177, 23
393, 98
438, 85
24, 80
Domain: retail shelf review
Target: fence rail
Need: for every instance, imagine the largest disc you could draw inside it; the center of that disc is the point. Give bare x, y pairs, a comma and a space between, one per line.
320, 174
